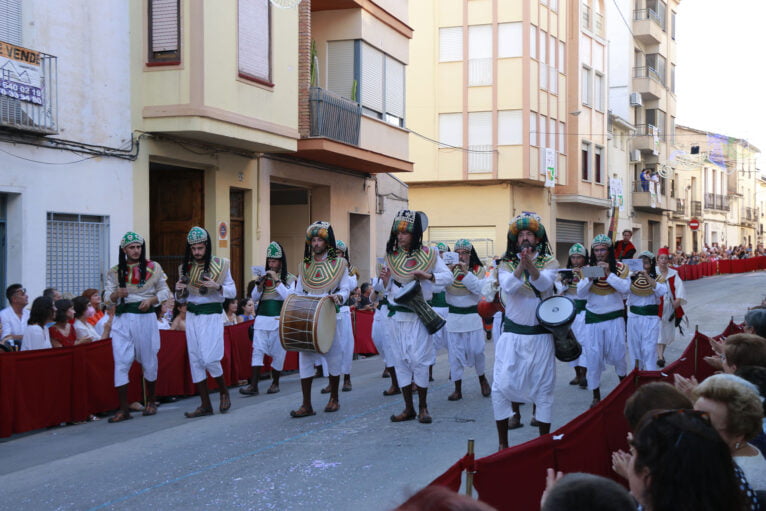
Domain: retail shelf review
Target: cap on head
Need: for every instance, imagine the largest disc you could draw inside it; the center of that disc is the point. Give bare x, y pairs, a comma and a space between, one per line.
601, 239
463, 244
197, 235
319, 229
274, 251
526, 222
341, 245
131, 237
577, 249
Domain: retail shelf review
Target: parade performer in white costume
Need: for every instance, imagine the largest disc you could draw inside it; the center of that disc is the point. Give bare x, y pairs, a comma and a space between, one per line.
346, 328
411, 344
270, 292
671, 305
381, 335
205, 282
465, 331
137, 286
578, 256
643, 314
322, 273
525, 363
604, 314
438, 303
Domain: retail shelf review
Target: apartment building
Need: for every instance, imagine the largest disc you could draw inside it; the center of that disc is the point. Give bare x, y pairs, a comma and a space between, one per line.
486, 103
65, 142
642, 63
261, 120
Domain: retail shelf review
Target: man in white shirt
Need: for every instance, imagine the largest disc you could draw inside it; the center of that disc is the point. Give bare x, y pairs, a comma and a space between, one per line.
14, 317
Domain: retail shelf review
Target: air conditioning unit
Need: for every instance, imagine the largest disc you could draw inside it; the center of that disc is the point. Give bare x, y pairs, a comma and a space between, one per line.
635, 155
635, 99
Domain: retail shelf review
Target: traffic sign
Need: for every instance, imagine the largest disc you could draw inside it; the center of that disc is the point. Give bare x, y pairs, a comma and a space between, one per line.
694, 224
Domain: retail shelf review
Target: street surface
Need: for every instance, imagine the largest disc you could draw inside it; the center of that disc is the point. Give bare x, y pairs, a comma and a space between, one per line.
257, 457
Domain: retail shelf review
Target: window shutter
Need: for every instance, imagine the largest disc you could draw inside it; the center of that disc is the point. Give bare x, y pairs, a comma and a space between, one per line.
570, 232
509, 40
532, 128
164, 25
480, 42
450, 44
10, 21
509, 129
480, 128
254, 38
394, 87
451, 129
372, 78
340, 68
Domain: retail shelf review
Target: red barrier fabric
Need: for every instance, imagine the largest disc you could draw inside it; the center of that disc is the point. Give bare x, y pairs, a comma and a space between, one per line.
362, 321
511, 482
454, 475
515, 478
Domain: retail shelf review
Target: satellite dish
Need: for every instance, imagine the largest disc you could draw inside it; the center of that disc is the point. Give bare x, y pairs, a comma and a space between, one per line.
285, 4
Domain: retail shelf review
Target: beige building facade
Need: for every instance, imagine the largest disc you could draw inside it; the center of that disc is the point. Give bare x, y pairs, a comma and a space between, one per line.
261, 120
502, 97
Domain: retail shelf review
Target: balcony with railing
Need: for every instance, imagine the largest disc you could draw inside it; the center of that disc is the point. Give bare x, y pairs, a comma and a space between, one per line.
652, 196
680, 210
647, 138
716, 202
649, 82
648, 26
29, 99
696, 209
749, 215
340, 134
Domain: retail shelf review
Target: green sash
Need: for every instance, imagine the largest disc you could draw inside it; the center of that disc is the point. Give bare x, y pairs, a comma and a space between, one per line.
645, 310
270, 308
132, 308
592, 317
463, 310
205, 308
515, 328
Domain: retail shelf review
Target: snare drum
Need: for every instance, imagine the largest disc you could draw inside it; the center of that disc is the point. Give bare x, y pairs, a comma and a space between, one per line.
556, 311
307, 323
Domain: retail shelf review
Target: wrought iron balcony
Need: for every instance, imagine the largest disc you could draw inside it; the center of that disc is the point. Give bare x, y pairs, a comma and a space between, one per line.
28, 93
716, 201
334, 117
680, 207
696, 208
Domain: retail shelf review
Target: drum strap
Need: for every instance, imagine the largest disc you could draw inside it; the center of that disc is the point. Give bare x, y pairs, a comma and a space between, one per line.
463, 310
205, 308
515, 328
645, 310
592, 317
382, 302
579, 305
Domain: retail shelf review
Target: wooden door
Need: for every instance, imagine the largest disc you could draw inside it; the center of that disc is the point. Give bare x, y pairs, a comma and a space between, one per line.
237, 239
176, 204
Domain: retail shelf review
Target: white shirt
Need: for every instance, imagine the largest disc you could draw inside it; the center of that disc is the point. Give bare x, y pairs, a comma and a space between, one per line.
84, 329
36, 338
270, 323
11, 323
754, 468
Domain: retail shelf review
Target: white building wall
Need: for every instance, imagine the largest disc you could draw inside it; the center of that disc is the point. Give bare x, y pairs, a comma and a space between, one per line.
91, 41
620, 57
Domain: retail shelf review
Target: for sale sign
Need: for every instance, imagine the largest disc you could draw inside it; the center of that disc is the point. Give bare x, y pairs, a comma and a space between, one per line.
20, 75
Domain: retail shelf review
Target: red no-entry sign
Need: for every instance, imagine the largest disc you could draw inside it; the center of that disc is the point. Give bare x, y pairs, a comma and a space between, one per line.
694, 224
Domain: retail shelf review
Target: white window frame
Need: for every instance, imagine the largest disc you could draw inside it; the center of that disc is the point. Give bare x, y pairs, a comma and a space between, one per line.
587, 147
599, 102
451, 44
77, 251
510, 130
254, 59
586, 85
451, 130
510, 40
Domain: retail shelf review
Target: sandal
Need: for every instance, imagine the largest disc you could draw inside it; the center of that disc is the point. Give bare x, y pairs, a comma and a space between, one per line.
332, 406
150, 409
273, 389
199, 412
404, 416
302, 412
326, 390
248, 391
225, 403
119, 417
424, 417
455, 396
514, 422
346, 387
392, 391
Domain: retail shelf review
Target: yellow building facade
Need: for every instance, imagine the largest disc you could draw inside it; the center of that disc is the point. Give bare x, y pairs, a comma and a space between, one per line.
254, 128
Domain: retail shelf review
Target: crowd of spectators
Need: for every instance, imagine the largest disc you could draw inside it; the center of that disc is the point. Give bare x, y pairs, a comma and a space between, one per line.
715, 252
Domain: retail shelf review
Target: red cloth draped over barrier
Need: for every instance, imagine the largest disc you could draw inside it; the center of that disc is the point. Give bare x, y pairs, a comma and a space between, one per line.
363, 332
723, 266
47, 387
515, 478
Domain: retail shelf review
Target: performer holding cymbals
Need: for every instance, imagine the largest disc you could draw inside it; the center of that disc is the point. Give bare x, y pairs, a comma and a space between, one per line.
525, 361
643, 313
604, 313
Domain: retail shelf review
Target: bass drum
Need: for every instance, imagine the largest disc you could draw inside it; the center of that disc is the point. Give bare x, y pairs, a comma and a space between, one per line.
307, 323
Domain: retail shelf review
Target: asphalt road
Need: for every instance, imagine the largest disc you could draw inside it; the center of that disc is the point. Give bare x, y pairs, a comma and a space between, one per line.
257, 457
